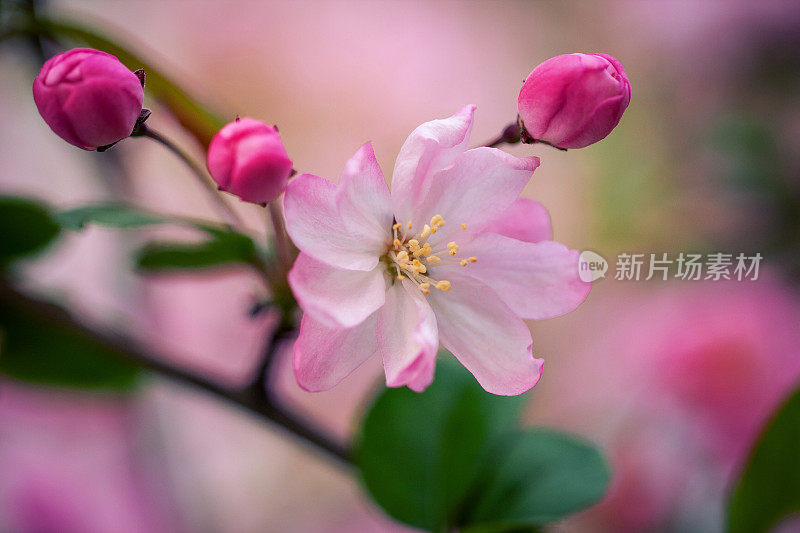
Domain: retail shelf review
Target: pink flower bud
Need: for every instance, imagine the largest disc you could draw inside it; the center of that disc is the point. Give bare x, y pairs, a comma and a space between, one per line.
248, 159
573, 100
88, 97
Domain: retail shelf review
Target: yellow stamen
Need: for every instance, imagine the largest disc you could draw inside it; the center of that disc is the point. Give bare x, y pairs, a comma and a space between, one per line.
397, 226
425, 232
408, 225
433, 259
473, 259
402, 256
443, 285
397, 243
437, 221
464, 262
424, 288
400, 277
463, 226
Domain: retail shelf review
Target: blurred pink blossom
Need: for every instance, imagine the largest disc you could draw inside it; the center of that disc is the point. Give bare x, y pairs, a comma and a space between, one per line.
70, 464
678, 387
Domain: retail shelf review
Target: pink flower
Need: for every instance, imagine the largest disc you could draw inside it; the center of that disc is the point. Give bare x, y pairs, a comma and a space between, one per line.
397, 273
247, 158
573, 100
88, 98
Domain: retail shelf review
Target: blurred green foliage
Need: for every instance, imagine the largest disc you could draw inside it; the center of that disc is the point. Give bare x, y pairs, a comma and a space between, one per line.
542, 476
453, 456
223, 249
25, 228
41, 348
114, 215
769, 488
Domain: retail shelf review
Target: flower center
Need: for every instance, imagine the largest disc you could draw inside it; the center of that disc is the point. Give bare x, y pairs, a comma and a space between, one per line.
412, 256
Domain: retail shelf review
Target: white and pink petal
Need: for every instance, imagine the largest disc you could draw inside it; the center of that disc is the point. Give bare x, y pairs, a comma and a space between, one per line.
478, 187
407, 337
486, 336
314, 224
334, 296
536, 280
525, 220
363, 200
324, 356
431, 147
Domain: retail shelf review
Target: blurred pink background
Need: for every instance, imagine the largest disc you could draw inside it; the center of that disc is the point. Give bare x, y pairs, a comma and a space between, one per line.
672, 379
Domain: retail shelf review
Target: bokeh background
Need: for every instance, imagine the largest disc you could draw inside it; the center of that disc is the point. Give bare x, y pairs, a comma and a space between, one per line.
673, 379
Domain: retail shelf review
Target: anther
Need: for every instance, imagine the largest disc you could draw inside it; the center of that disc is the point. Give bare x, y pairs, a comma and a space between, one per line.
463, 226
433, 259
464, 262
425, 232
397, 243
443, 285
473, 259
397, 226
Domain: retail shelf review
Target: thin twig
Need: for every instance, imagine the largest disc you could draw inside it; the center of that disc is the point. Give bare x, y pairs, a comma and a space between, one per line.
225, 210
510, 135
281, 242
253, 397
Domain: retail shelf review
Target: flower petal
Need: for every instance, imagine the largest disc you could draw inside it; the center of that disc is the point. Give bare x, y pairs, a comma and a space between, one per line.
481, 184
431, 147
526, 220
536, 280
486, 336
324, 356
407, 337
334, 296
363, 200
314, 224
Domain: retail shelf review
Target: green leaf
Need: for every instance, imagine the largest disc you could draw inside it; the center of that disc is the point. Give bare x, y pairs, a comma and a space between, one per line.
192, 115
539, 476
25, 227
769, 488
43, 350
115, 215
419, 454
223, 249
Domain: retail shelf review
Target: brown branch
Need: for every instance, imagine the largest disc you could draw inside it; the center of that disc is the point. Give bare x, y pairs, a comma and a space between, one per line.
142, 130
254, 397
